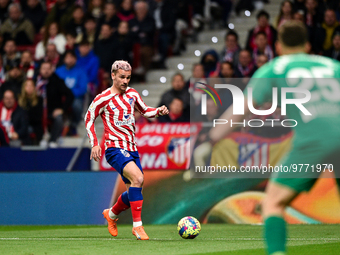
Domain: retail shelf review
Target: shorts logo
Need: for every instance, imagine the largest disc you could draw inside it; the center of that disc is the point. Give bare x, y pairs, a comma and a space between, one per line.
125, 153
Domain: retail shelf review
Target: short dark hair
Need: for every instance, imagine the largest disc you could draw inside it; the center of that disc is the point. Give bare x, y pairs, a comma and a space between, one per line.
263, 13
46, 62
76, 7
89, 17
13, 93
336, 33
293, 34
10, 40
71, 33
231, 65
232, 33
110, 2
15, 66
70, 52
261, 33
178, 98
84, 42
329, 9
245, 50
177, 74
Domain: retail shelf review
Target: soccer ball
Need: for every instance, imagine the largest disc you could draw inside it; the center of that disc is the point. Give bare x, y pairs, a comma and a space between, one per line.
188, 227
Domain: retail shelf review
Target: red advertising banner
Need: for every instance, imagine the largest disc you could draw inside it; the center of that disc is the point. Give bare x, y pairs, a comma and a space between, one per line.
161, 146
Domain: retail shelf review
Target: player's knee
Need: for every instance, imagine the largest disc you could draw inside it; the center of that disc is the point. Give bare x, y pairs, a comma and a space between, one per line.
138, 180
273, 205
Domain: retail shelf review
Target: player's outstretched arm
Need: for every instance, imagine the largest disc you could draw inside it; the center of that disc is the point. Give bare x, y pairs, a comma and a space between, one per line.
147, 111
163, 110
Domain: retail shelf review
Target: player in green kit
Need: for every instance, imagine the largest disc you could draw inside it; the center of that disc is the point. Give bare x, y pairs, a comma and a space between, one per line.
317, 133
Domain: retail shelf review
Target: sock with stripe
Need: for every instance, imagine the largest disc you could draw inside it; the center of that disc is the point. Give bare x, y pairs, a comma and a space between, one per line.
121, 205
275, 235
136, 202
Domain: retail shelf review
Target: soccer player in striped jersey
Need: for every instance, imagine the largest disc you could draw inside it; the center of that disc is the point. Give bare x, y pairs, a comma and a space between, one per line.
116, 106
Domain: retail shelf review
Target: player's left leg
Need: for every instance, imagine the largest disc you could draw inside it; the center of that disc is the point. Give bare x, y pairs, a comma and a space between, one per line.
273, 206
111, 215
121, 205
135, 175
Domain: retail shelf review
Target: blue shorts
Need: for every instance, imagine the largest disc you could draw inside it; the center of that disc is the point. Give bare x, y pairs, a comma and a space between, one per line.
118, 158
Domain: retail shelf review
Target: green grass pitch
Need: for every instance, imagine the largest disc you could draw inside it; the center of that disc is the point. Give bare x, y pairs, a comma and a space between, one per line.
164, 239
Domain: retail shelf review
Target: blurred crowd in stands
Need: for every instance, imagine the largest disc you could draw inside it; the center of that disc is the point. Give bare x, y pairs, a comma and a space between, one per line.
56, 55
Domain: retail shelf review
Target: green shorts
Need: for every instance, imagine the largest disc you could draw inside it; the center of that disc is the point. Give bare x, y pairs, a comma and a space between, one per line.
312, 155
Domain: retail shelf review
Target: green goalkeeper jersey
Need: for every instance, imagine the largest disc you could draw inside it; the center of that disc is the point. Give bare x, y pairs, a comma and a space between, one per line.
317, 74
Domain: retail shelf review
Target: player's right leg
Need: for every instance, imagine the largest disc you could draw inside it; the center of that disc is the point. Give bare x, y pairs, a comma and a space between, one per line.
117, 160
135, 175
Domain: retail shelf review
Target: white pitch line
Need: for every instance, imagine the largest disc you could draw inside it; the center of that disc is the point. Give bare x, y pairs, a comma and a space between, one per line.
156, 239
56, 239
72, 239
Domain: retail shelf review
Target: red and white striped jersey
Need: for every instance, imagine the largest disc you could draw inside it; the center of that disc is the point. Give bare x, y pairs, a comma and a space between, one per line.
117, 112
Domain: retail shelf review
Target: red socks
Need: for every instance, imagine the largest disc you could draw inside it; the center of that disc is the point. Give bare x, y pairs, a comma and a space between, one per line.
119, 206
136, 202
136, 210
134, 199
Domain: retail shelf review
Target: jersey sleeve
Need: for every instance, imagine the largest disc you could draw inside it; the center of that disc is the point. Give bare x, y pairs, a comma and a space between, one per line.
261, 84
96, 108
146, 111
